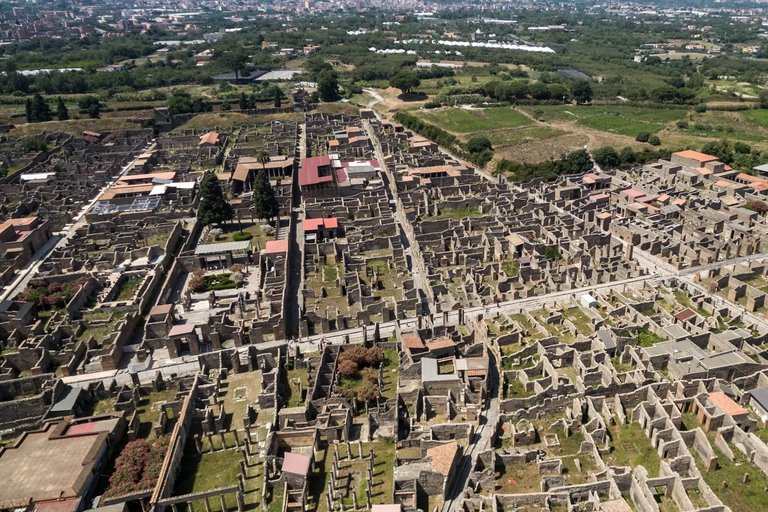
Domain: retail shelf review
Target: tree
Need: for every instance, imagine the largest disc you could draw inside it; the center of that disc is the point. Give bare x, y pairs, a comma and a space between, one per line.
278, 94
642, 136
243, 101
757, 206
328, 85
579, 161
61, 110
214, 208
478, 144
225, 106
653, 140
91, 105
234, 60
264, 201
581, 91
36, 110
539, 91
606, 157
405, 80
31, 144
627, 156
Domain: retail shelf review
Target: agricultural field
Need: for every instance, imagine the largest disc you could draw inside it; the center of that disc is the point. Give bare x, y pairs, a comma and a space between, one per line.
478, 120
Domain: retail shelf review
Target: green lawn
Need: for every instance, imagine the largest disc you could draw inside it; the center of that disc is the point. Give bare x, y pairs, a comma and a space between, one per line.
128, 288
457, 213
208, 471
631, 447
469, 121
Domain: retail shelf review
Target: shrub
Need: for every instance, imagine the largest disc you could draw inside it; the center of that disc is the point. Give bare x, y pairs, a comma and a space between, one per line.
240, 237
757, 206
700, 108
683, 125
348, 368
31, 144
478, 144
642, 137
653, 140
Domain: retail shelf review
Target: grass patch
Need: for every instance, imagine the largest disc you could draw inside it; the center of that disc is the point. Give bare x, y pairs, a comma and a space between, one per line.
457, 213
127, 288
469, 121
631, 447
208, 471
646, 338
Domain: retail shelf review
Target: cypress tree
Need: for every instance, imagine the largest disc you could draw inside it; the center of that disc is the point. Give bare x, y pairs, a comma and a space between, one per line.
40, 109
61, 110
264, 201
214, 208
243, 101
29, 110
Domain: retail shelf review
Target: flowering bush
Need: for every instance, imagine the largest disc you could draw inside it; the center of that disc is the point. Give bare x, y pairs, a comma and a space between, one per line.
138, 466
47, 295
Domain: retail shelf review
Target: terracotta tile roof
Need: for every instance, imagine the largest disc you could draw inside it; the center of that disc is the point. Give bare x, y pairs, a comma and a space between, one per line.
476, 373
310, 225
413, 342
633, 193
296, 464
685, 314
209, 138
309, 173
437, 345
443, 456
728, 406
695, 155
276, 247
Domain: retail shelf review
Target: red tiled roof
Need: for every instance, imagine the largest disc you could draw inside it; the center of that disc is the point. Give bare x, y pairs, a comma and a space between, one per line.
413, 342
209, 138
685, 314
181, 330
441, 344
309, 173
276, 247
315, 224
82, 428
443, 456
728, 406
296, 464
695, 155
632, 193
476, 373
158, 175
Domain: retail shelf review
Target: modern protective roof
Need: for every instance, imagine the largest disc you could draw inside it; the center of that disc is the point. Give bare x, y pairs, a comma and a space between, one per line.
204, 249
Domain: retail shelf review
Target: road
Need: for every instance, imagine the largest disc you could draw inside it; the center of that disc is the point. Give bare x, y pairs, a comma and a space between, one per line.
482, 439
295, 264
60, 239
410, 246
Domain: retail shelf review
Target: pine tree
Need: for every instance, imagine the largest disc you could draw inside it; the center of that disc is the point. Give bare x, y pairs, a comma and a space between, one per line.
28, 109
214, 208
264, 201
277, 97
61, 110
243, 101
